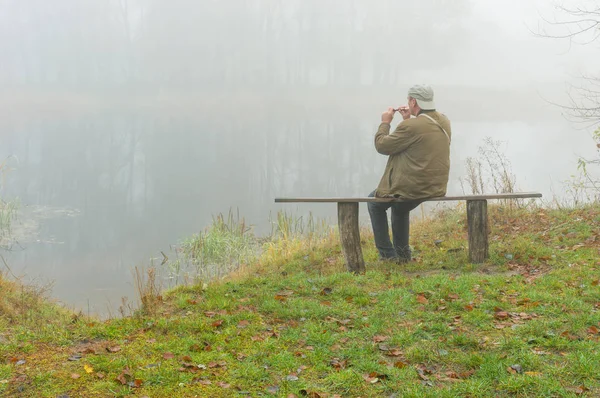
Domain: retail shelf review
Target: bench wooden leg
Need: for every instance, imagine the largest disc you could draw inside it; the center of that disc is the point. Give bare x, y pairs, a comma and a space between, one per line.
478, 230
350, 237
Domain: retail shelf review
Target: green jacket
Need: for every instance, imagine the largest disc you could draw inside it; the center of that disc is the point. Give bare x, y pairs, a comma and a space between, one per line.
419, 157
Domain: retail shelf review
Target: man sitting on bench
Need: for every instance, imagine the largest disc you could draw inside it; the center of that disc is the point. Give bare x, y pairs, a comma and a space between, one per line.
417, 168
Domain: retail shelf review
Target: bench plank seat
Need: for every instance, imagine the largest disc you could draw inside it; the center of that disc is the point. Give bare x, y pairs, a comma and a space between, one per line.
518, 195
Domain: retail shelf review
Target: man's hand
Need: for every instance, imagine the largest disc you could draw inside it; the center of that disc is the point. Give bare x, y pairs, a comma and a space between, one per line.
388, 116
405, 112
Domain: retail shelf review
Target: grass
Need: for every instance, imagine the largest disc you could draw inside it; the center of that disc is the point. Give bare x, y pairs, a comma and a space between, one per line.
215, 252
8, 209
8, 212
294, 323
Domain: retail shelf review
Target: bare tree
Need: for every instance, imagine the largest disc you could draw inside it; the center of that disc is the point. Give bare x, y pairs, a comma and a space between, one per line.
578, 23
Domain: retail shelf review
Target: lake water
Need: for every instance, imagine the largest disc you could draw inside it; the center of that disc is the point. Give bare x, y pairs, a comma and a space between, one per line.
106, 190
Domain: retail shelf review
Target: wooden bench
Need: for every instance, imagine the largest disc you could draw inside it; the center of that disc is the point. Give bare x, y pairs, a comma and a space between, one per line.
477, 221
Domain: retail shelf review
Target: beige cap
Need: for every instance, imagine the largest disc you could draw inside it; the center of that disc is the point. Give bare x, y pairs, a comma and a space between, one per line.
424, 96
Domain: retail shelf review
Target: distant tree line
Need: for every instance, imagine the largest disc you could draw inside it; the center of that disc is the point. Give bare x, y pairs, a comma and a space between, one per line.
219, 45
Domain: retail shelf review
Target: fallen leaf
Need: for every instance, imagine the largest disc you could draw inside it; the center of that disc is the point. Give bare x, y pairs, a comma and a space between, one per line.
568, 335
137, 383
113, 349
218, 323
422, 375
100, 375
374, 377
88, 368
89, 351
292, 377
593, 330
453, 297
188, 365
75, 358
326, 291
469, 307
578, 390
338, 363
280, 297
533, 374
122, 378
383, 347
467, 374
210, 314
400, 364
501, 315
192, 302
394, 353
380, 339
75, 376
21, 362
422, 299
515, 369
423, 371
220, 364
168, 355
452, 375
243, 324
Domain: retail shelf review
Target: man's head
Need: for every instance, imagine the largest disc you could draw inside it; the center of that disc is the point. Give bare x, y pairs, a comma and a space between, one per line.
420, 97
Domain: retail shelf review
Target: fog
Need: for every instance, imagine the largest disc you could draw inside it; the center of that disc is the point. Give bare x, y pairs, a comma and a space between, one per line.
128, 124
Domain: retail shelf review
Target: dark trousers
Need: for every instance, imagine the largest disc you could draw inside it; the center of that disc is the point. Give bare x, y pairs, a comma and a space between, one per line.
400, 249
